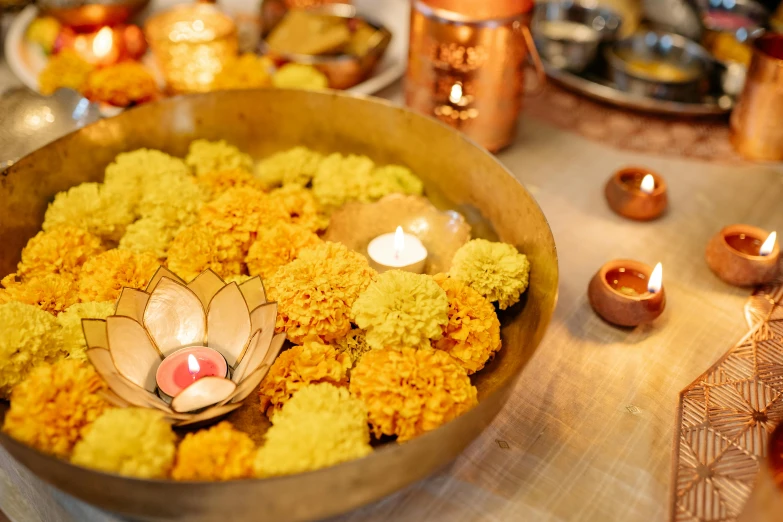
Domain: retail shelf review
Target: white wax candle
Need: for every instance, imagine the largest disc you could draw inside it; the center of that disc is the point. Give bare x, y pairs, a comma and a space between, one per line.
399, 251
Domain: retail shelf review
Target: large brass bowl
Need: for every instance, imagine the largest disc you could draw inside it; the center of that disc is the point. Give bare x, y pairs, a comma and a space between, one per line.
457, 174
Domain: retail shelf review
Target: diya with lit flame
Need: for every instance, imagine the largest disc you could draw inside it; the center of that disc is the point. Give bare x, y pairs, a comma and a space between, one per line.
105, 46
628, 293
637, 193
194, 351
744, 255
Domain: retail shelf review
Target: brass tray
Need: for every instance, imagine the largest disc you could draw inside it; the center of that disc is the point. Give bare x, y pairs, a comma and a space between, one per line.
457, 175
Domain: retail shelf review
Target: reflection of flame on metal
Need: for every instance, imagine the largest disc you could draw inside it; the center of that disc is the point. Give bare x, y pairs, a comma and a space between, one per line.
456, 93
102, 43
656, 279
648, 184
399, 241
193, 366
769, 244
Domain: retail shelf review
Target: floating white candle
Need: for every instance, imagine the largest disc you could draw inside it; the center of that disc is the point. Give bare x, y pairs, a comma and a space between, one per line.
397, 250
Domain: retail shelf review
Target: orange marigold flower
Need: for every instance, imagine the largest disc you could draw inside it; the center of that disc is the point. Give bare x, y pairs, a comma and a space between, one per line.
219, 453
472, 335
52, 293
197, 248
240, 212
301, 206
55, 403
65, 69
315, 292
219, 181
104, 276
294, 369
408, 392
277, 245
121, 84
62, 250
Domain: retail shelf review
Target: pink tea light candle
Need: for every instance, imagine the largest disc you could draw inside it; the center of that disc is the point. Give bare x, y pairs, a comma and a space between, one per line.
187, 365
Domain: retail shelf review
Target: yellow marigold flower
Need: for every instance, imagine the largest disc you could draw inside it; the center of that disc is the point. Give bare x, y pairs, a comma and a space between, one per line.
138, 172
277, 245
103, 277
408, 392
237, 278
136, 442
121, 84
315, 292
301, 206
51, 293
402, 309
175, 199
340, 179
62, 250
354, 344
219, 453
495, 270
94, 207
197, 248
65, 69
247, 71
472, 335
71, 335
300, 76
321, 426
29, 338
149, 234
206, 156
295, 166
51, 408
394, 179
219, 181
294, 369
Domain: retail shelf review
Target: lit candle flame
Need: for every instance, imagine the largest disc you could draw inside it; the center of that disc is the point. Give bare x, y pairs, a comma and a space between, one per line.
648, 184
456, 93
399, 241
101, 44
193, 366
656, 279
769, 245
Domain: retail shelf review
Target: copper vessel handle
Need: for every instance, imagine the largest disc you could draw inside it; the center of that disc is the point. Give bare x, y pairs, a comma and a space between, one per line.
537, 63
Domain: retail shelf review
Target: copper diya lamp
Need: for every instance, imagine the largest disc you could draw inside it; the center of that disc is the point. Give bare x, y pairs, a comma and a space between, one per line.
637, 193
106, 45
744, 255
627, 293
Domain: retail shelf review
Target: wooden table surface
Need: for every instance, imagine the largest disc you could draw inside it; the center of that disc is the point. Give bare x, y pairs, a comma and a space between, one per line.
588, 433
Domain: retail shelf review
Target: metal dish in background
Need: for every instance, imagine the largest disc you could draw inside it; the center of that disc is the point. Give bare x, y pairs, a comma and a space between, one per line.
343, 70
85, 14
665, 66
583, 29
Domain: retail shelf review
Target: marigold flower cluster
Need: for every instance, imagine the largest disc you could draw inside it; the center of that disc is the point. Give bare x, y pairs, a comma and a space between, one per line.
320, 426
66, 69
277, 245
135, 442
295, 166
218, 453
495, 270
401, 309
62, 250
247, 71
121, 84
104, 276
408, 392
206, 156
53, 406
70, 334
294, 369
315, 292
302, 207
472, 335
197, 248
218, 182
52, 293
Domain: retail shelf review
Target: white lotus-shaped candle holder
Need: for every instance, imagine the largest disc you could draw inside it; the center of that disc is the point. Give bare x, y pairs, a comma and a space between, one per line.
147, 326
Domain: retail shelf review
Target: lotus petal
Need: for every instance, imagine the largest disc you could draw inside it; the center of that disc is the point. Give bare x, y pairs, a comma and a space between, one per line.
252, 345
102, 361
254, 293
209, 414
95, 333
202, 393
248, 384
174, 317
132, 303
265, 350
206, 285
132, 351
159, 275
228, 323
263, 317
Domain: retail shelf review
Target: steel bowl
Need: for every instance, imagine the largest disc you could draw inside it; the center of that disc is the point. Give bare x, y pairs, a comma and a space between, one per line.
669, 49
90, 14
457, 175
567, 50
343, 70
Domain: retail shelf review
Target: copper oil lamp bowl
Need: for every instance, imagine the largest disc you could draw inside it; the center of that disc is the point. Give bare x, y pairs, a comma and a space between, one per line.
457, 175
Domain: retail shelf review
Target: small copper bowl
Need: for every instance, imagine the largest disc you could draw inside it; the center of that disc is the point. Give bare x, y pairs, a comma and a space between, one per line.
342, 70
738, 266
625, 196
633, 307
